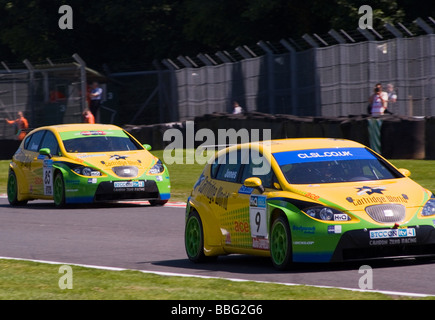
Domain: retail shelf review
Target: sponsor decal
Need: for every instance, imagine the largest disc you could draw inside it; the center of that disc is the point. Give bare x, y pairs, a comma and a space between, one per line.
245, 190
306, 230
392, 233
303, 243
93, 133
260, 243
128, 184
334, 229
378, 200
316, 155
118, 157
370, 190
341, 217
213, 193
326, 154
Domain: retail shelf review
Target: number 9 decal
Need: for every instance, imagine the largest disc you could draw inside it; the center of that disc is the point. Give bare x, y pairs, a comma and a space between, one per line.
257, 216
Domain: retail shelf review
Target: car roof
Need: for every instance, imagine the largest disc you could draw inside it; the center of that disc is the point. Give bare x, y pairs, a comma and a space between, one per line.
81, 126
292, 144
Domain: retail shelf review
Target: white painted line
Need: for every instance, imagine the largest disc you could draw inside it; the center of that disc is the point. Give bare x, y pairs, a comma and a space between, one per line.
174, 274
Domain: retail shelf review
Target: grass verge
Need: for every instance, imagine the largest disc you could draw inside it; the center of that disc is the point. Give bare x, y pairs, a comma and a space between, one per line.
26, 280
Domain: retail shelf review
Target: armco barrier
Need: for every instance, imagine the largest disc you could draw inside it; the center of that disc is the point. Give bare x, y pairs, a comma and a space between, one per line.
400, 137
403, 138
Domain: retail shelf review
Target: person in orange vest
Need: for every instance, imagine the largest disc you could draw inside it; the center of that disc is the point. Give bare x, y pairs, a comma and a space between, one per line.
21, 125
88, 117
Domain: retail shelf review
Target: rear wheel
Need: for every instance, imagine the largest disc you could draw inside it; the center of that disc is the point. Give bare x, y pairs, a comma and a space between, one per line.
280, 244
194, 238
58, 190
12, 190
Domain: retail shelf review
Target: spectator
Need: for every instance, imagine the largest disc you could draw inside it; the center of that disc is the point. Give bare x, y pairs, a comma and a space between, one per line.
392, 97
384, 96
95, 96
376, 102
237, 108
88, 117
21, 125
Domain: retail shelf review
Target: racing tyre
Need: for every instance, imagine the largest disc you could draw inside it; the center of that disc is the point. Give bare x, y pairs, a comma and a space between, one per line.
158, 202
194, 238
280, 244
58, 190
12, 190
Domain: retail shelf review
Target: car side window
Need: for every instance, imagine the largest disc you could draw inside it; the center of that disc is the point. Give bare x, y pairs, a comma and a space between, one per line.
50, 142
34, 141
229, 170
266, 173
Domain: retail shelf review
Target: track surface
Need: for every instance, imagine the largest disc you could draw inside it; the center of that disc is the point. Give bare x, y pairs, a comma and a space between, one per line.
151, 238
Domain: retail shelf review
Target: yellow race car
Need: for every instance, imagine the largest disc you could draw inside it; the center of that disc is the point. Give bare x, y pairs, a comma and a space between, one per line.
307, 200
84, 163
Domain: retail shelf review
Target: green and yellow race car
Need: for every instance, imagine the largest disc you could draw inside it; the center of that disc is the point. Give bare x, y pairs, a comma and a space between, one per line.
307, 200
84, 163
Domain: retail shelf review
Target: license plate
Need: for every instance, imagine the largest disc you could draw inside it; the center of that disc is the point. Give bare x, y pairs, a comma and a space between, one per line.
392, 233
129, 184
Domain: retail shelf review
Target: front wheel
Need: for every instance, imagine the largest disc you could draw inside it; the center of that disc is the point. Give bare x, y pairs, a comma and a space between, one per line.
58, 190
280, 244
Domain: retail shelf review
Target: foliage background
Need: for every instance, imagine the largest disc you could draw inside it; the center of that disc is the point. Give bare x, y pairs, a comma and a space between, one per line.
123, 34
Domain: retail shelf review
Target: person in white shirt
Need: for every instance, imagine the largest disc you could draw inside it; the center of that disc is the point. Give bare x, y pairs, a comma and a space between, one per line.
392, 96
237, 108
95, 95
377, 102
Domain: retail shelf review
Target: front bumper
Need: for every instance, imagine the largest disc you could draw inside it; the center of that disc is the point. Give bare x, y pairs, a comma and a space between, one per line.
105, 189
357, 245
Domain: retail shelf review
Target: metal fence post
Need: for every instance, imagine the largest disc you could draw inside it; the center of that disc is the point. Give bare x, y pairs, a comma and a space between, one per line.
83, 81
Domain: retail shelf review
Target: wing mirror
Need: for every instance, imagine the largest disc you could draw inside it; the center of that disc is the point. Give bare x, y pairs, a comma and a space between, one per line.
405, 172
147, 147
45, 152
254, 182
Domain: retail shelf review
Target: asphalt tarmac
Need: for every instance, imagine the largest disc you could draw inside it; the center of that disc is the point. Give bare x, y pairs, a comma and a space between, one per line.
141, 237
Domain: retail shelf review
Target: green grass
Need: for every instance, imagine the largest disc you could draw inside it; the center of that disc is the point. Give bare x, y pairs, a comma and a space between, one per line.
25, 280
29, 280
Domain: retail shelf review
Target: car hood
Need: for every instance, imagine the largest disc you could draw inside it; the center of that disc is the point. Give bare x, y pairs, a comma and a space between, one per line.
356, 196
106, 161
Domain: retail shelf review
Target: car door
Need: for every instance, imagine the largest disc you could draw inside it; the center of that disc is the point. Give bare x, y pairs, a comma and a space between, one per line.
244, 222
43, 166
255, 199
226, 175
31, 164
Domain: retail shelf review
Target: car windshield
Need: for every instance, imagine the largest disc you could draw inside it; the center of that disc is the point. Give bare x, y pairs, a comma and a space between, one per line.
333, 165
98, 141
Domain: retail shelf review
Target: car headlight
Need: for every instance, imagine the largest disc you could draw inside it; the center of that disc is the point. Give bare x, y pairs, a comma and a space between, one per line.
86, 171
327, 214
429, 208
157, 168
